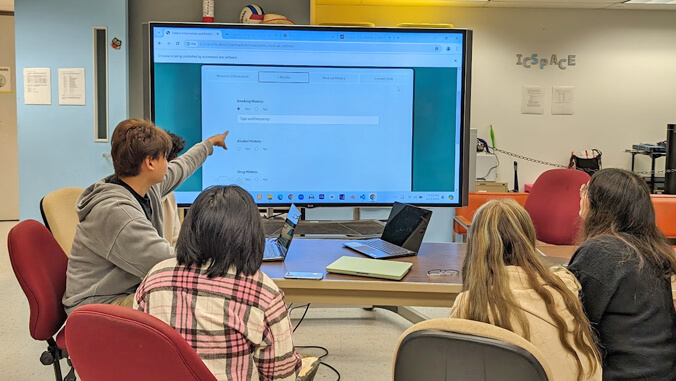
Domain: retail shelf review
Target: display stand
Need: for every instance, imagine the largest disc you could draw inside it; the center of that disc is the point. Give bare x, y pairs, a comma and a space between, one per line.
350, 229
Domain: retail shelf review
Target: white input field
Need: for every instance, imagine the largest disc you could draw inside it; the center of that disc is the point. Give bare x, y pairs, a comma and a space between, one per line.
309, 119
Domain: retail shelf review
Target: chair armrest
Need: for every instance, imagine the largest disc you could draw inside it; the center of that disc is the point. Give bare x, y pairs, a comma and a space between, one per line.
463, 221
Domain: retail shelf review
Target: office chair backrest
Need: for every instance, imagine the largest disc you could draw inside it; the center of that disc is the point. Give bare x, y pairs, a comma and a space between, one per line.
40, 266
665, 213
458, 349
554, 205
58, 213
110, 343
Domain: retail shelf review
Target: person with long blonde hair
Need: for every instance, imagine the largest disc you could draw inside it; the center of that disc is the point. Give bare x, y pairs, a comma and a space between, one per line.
505, 284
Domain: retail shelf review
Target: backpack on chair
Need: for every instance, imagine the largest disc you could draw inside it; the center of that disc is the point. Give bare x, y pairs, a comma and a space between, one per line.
587, 161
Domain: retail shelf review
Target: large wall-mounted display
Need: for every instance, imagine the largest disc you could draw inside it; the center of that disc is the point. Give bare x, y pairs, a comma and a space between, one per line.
318, 115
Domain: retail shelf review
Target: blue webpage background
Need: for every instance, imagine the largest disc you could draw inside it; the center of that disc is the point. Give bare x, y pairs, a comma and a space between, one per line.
178, 109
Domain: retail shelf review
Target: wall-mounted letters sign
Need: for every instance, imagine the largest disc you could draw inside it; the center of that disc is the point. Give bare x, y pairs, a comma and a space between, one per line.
534, 61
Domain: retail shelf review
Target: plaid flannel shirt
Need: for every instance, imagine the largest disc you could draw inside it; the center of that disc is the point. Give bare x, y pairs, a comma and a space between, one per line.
239, 326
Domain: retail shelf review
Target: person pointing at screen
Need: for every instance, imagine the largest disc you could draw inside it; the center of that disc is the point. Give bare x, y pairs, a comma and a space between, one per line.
120, 236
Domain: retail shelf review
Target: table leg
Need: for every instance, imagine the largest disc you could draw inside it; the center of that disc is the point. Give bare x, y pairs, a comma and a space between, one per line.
407, 313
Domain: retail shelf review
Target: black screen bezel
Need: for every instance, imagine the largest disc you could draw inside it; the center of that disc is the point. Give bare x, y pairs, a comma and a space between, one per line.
465, 147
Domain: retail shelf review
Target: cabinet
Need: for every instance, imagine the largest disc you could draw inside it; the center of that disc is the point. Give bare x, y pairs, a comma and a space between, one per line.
491, 186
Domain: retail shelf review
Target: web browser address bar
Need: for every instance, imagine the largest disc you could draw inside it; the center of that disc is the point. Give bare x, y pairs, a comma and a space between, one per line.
309, 119
324, 46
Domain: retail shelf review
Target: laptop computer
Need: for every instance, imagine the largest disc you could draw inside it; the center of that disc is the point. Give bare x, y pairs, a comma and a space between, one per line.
402, 236
277, 248
369, 267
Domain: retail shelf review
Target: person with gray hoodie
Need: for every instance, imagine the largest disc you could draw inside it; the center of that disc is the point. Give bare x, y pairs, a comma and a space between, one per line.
120, 236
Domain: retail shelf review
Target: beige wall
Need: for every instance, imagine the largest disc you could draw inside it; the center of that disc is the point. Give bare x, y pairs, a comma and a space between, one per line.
143, 11
9, 165
624, 78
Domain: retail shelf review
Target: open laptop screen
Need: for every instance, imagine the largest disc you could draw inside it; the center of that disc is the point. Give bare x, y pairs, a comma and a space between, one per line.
289, 225
403, 221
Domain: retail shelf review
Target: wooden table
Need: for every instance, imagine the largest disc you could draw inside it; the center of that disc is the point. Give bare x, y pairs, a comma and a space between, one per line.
416, 289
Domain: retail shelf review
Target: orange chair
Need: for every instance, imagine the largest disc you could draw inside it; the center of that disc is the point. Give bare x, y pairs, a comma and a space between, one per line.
665, 213
665, 219
463, 216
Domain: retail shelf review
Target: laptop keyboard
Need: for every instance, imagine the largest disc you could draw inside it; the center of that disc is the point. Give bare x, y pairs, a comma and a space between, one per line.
385, 246
272, 250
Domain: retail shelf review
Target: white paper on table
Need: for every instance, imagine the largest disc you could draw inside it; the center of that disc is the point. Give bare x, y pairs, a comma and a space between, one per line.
72, 86
532, 100
5, 80
562, 100
37, 86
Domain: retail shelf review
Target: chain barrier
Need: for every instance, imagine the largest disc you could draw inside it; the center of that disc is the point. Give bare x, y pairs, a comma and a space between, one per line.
565, 166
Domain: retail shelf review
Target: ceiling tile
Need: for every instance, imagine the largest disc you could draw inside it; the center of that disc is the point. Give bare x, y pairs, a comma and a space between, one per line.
549, 4
425, 3
646, 7
544, 2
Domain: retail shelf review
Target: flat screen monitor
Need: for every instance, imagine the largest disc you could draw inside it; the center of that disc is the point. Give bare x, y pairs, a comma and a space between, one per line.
318, 116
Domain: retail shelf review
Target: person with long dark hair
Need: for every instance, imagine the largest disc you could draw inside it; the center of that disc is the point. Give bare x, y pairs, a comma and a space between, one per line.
505, 284
214, 294
625, 267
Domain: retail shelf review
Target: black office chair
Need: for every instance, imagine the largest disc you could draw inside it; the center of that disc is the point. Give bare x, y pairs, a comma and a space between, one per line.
465, 350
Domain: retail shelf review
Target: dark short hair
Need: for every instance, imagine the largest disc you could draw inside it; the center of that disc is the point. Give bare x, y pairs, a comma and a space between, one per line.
133, 141
177, 145
223, 227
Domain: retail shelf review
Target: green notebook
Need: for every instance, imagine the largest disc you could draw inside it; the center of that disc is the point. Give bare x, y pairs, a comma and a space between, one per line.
375, 268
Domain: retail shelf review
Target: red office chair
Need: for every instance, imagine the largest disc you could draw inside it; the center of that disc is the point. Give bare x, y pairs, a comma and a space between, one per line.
40, 265
554, 205
112, 343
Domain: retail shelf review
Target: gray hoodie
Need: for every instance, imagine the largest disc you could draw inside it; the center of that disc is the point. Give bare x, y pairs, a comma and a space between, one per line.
115, 244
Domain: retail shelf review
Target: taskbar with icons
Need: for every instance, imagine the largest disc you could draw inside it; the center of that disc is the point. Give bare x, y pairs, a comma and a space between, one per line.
336, 198
280, 197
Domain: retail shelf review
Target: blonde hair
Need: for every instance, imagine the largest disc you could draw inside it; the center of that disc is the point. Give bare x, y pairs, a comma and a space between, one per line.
502, 234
